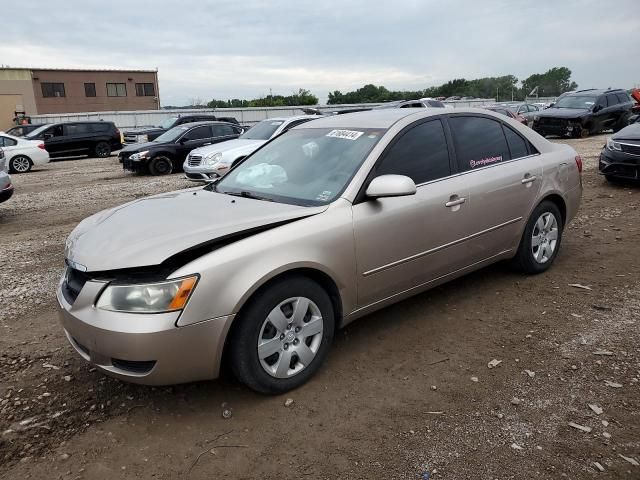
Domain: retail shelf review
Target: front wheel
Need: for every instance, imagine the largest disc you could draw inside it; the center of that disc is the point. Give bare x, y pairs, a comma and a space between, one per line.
282, 336
160, 165
541, 239
20, 164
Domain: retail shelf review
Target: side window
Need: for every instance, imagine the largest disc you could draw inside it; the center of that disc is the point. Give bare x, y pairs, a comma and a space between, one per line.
76, 129
602, 102
623, 97
435, 104
612, 100
478, 141
517, 145
99, 127
222, 130
198, 133
420, 153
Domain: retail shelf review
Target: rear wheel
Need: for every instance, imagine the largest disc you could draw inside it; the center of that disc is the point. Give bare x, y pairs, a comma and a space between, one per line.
282, 336
541, 239
160, 165
102, 150
20, 164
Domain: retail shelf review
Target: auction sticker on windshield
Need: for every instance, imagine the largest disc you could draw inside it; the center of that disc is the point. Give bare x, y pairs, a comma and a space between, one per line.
346, 134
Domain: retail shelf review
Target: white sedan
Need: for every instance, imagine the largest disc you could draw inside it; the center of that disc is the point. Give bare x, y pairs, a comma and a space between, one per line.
22, 154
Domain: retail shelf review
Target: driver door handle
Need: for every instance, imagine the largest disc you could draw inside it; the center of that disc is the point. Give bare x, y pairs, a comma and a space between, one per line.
528, 179
455, 201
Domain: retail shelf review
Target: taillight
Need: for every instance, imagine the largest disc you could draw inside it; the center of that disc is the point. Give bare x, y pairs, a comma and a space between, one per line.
579, 163
41, 145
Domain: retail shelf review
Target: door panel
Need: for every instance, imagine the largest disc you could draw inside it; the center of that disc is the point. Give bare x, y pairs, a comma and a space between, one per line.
403, 242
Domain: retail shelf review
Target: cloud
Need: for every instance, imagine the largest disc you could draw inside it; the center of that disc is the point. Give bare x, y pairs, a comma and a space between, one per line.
221, 49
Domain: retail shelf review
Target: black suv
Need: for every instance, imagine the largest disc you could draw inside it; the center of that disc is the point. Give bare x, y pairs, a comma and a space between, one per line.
167, 152
146, 134
585, 112
78, 138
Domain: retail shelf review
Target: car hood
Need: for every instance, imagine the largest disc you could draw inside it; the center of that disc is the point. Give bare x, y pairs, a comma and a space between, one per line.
632, 132
143, 130
140, 147
564, 112
148, 231
231, 148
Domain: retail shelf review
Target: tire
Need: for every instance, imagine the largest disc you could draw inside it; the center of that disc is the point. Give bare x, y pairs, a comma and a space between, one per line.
20, 164
530, 258
102, 150
612, 179
267, 371
583, 133
160, 165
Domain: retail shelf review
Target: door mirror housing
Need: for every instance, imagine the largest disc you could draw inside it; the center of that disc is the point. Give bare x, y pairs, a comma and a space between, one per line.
47, 136
597, 108
391, 186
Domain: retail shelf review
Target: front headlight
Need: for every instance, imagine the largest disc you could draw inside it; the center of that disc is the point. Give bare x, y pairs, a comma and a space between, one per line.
142, 138
139, 155
536, 118
168, 296
613, 145
212, 158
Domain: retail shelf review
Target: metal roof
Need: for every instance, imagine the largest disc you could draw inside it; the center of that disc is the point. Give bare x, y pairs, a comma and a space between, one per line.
79, 69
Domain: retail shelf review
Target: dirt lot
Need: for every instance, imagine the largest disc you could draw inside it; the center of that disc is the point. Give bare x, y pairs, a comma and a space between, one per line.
405, 391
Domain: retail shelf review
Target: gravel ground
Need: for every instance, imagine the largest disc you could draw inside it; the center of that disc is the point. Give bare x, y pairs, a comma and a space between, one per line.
405, 391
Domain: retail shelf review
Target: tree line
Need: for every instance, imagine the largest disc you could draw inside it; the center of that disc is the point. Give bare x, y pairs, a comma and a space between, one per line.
552, 83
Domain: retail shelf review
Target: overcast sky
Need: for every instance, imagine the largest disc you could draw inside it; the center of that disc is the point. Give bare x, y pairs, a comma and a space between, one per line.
241, 49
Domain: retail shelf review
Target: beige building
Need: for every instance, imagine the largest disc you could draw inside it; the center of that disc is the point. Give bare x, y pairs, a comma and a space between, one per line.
39, 91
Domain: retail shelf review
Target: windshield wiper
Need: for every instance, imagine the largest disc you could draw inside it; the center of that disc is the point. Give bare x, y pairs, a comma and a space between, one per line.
247, 194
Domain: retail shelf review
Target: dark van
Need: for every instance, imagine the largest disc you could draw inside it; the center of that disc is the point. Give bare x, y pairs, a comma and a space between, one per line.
97, 139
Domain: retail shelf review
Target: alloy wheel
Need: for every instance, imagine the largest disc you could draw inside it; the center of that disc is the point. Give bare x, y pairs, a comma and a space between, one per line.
20, 164
544, 237
290, 337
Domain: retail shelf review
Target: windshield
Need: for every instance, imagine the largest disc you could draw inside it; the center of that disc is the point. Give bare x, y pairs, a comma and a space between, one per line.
262, 130
572, 101
38, 131
168, 123
310, 166
172, 135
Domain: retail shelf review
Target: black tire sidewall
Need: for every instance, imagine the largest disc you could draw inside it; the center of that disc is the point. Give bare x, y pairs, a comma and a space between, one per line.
524, 257
13, 170
97, 147
154, 162
245, 363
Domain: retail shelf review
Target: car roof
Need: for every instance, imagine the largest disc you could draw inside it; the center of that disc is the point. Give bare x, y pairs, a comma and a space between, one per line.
294, 117
595, 91
382, 118
204, 122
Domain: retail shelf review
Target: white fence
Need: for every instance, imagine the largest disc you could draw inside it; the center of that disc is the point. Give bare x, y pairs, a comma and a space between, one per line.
246, 116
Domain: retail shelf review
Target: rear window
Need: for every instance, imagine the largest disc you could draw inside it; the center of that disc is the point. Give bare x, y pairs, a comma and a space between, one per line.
479, 142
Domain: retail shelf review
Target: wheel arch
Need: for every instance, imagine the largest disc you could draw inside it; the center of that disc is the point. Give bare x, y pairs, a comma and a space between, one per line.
559, 201
319, 276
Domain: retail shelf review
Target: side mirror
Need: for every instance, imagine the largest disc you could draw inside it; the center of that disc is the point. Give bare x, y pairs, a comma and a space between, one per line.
597, 108
183, 141
391, 186
47, 136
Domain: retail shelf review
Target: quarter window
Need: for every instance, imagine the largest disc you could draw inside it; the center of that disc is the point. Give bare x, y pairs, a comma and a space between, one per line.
478, 141
517, 145
420, 153
145, 90
7, 142
89, 89
623, 97
198, 133
116, 90
52, 89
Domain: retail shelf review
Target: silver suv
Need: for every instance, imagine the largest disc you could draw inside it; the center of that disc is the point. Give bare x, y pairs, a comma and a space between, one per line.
206, 163
333, 220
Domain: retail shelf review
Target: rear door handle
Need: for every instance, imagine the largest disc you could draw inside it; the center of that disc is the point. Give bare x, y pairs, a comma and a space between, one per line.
528, 179
455, 201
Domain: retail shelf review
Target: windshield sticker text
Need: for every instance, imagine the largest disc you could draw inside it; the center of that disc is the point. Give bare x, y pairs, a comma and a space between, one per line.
485, 161
346, 134
324, 196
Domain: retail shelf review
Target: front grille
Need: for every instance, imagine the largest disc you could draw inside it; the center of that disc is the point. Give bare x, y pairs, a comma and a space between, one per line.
195, 160
130, 139
133, 366
73, 282
630, 149
550, 121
